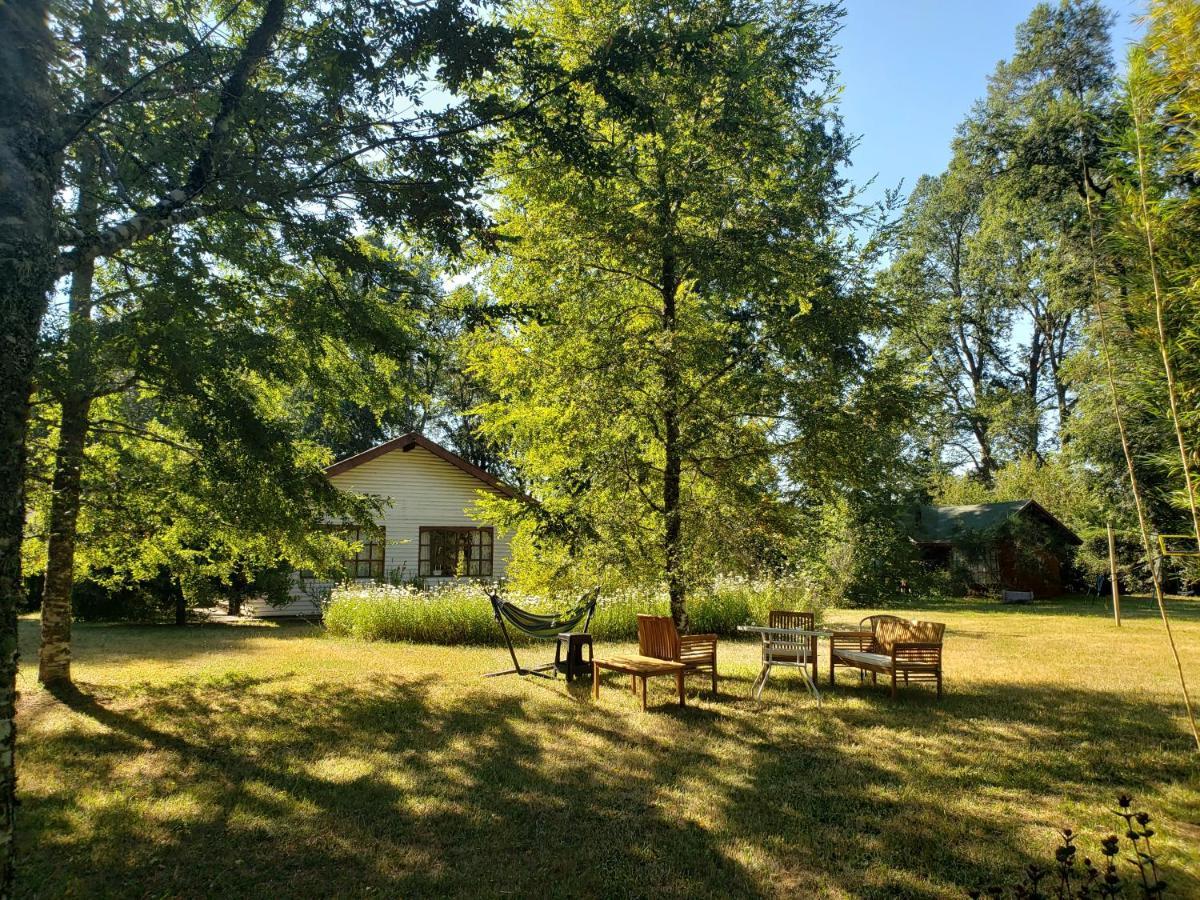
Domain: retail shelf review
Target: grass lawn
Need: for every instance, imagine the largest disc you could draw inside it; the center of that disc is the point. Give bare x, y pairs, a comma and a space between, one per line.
268, 761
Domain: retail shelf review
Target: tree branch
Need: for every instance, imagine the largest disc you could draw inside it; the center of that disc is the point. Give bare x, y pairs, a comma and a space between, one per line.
173, 209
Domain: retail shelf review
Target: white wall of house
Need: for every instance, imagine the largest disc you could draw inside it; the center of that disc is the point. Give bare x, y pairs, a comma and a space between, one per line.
421, 490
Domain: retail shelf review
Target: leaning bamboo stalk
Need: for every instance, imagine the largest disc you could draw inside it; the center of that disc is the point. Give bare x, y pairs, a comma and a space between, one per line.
1159, 312
1143, 527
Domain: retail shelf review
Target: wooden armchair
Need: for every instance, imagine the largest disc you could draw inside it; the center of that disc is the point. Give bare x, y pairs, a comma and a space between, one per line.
659, 638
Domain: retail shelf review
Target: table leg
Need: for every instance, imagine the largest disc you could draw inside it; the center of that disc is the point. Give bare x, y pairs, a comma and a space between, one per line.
595, 681
812, 686
761, 681
644, 680
679, 684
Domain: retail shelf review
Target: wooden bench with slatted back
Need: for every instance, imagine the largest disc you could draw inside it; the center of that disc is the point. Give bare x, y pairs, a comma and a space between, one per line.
658, 637
889, 645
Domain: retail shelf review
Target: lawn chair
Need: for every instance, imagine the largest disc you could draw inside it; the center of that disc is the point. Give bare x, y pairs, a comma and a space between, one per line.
659, 638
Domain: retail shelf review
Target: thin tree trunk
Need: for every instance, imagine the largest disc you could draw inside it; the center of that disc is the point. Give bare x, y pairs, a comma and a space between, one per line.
54, 660
1160, 322
28, 181
672, 525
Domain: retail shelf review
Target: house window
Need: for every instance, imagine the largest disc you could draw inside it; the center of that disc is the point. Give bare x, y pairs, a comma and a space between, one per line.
367, 562
455, 553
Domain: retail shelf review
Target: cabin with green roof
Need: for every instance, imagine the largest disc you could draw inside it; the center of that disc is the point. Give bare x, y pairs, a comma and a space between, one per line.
1014, 545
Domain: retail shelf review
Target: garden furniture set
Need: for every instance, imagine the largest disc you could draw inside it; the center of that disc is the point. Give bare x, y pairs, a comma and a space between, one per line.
900, 649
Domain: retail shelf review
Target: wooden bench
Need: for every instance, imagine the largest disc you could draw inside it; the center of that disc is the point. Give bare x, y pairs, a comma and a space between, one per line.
889, 645
659, 638
637, 666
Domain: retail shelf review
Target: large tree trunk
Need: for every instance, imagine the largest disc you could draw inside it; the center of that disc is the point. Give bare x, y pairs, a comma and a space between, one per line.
28, 181
54, 660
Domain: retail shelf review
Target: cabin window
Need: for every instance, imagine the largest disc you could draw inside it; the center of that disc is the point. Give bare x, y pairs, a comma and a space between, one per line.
367, 562
455, 552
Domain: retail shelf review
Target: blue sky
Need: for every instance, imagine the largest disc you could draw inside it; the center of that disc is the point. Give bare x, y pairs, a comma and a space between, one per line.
912, 68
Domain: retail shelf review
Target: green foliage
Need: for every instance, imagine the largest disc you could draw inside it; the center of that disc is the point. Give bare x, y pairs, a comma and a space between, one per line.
1067, 489
676, 357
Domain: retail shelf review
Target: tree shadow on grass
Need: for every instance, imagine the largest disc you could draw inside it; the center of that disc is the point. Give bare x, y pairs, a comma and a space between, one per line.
365, 788
401, 787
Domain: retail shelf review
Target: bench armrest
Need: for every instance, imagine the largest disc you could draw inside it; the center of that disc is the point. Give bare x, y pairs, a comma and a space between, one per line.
697, 646
917, 653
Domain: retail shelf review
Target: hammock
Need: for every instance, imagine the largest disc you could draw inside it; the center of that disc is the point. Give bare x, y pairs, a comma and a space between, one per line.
544, 627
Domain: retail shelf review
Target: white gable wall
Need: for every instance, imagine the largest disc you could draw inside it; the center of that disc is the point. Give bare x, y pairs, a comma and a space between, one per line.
421, 490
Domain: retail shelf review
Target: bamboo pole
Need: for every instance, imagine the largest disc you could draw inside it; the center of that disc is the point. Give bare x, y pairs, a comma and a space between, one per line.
1112, 574
1143, 527
1159, 318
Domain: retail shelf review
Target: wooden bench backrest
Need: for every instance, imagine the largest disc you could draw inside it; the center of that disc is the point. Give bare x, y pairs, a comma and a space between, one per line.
786, 618
657, 637
890, 630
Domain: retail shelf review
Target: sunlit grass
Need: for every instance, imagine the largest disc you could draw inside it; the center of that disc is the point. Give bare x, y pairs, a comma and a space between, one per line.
268, 761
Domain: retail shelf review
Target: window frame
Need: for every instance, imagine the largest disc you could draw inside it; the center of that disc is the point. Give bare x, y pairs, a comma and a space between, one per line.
374, 545
471, 547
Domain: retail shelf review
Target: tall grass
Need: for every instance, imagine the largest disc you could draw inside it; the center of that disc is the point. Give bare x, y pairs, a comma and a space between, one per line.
461, 614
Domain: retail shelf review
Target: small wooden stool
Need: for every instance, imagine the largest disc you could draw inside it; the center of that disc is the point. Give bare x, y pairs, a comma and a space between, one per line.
574, 664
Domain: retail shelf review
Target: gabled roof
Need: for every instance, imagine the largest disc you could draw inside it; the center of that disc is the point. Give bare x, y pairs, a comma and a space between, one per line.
407, 442
942, 524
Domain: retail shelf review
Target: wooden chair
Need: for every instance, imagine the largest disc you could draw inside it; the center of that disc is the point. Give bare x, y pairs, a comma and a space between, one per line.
658, 638
788, 651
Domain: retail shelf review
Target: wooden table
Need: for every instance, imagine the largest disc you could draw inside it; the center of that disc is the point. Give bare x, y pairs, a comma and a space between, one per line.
644, 667
785, 633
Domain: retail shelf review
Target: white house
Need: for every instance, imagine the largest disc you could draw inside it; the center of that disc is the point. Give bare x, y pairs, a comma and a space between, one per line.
426, 531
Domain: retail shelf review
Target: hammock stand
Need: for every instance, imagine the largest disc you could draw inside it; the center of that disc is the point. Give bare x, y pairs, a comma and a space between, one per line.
544, 627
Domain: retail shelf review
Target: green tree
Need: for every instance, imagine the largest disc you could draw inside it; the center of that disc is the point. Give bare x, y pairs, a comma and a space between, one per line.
678, 312
302, 140
994, 268
954, 317
200, 458
305, 117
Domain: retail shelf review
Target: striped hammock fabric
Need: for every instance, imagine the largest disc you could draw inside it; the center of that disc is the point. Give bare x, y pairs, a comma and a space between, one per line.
544, 626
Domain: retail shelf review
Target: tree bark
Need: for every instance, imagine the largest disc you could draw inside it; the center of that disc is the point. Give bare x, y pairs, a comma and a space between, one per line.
180, 604
54, 659
672, 518
29, 172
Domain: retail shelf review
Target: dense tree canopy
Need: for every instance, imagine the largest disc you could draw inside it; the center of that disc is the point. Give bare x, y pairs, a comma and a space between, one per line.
678, 316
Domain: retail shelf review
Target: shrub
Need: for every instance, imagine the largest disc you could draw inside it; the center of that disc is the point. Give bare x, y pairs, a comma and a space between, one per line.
461, 614
453, 615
